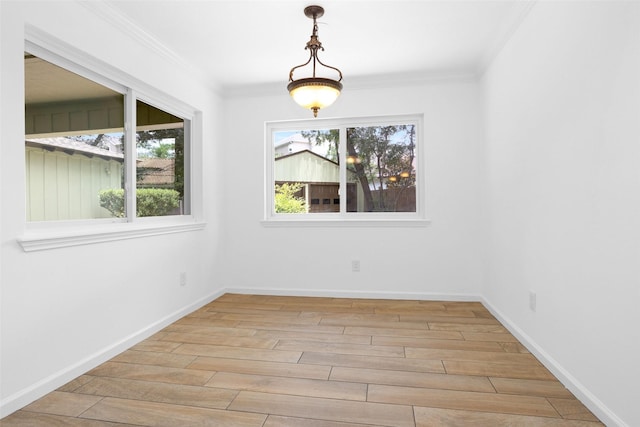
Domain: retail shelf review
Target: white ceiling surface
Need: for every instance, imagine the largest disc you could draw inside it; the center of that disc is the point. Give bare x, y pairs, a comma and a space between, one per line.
236, 44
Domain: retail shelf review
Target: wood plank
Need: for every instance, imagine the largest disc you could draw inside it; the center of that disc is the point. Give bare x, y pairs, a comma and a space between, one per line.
157, 336
374, 323
504, 370
250, 309
36, 419
340, 348
470, 305
258, 367
398, 304
162, 414
465, 327
234, 297
235, 341
312, 329
401, 332
483, 313
152, 373
550, 388
514, 347
178, 394
76, 383
358, 361
436, 417
447, 317
438, 344
419, 310
323, 337
477, 356
207, 322
222, 306
238, 352
502, 336
412, 379
470, 401
169, 360
271, 318
572, 408
156, 346
351, 317
279, 421
294, 386
209, 330
205, 314
308, 302
63, 403
324, 409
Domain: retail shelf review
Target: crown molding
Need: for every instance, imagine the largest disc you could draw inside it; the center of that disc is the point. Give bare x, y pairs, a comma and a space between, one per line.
112, 15
361, 82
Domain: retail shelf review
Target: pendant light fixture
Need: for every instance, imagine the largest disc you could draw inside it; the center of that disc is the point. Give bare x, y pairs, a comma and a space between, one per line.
314, 92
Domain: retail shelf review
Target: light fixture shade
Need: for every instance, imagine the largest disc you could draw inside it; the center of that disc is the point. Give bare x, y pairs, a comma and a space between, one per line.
314, 93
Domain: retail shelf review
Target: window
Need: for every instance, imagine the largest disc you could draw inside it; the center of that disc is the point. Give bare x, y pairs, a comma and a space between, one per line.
363, 169
107, 156
160, 149
81, 162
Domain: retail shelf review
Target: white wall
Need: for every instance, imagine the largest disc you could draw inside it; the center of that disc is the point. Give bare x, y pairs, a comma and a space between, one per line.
64, 310
548, 202
440, 260
562, 104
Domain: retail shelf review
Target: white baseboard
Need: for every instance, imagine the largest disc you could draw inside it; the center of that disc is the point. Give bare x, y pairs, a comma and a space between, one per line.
331, 293
594, 404
35, 391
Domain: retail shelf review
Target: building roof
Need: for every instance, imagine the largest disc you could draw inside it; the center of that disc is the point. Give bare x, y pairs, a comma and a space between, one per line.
296, 137
72, 146
156, 172
297, 153
306, 166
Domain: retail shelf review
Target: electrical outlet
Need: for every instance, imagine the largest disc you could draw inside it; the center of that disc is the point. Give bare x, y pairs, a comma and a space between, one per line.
183, 279
532, 300
355, 265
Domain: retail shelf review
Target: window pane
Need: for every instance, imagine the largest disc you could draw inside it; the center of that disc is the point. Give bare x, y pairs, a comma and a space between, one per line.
160, 142
381, 169
306, 171
73, 145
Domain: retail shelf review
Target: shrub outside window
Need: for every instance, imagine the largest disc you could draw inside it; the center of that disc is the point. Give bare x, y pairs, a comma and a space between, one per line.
81, 162
344, 169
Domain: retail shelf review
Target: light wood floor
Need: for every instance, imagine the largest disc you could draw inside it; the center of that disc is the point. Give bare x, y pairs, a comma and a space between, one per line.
268, 361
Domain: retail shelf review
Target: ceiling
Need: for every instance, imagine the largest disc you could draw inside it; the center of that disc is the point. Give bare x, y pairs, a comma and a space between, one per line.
48, 83
240, 45
236, 44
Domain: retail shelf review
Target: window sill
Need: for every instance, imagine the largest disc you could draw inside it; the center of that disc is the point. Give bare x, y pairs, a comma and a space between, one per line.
39, 240
342, 222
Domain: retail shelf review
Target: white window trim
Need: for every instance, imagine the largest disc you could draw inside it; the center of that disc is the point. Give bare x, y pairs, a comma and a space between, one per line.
60, 234
344, 219
66, 237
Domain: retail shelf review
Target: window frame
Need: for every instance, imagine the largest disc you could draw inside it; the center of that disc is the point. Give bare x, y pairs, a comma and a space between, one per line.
42, 235
343, 218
